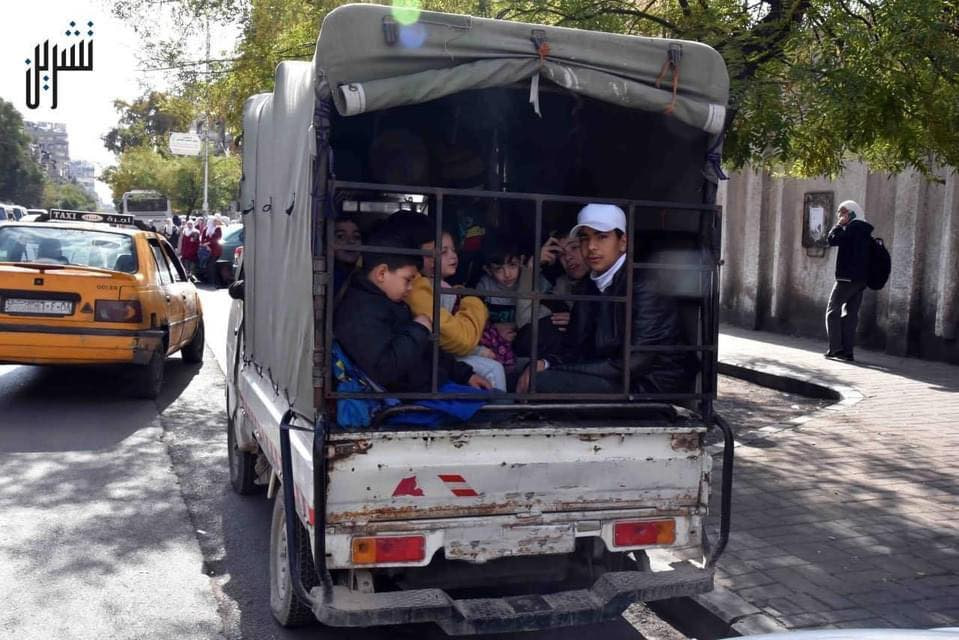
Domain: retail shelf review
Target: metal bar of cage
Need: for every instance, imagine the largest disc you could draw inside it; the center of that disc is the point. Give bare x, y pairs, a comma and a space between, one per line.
628, 311
534, 290
507, 195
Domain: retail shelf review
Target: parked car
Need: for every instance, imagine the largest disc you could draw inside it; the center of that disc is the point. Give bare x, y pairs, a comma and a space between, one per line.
232, 241
11, 212
92, 288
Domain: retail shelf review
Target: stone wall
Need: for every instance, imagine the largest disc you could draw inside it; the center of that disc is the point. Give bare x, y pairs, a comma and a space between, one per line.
771, 281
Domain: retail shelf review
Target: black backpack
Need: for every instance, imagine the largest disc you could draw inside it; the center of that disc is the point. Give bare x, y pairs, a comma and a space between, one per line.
880, 264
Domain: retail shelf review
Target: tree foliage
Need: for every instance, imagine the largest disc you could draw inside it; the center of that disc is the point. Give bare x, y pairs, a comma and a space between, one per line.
148, 121
68, 195
21, 178
811, 81
180, 178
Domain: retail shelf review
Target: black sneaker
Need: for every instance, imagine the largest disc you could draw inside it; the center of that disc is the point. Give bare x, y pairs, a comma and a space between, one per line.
832, 354
845, 355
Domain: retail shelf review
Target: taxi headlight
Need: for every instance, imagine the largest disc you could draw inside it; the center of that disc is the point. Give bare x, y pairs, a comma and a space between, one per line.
118, 311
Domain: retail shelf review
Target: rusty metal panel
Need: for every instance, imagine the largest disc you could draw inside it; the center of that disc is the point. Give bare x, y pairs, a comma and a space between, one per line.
449, 474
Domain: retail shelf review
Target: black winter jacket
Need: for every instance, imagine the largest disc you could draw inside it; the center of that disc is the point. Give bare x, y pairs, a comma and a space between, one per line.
593, 344
852, 263
384, 341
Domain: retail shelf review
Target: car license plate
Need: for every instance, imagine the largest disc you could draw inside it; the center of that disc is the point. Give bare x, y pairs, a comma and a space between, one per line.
38, 307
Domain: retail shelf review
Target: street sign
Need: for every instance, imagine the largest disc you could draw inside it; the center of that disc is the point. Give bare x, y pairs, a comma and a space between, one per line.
185, 144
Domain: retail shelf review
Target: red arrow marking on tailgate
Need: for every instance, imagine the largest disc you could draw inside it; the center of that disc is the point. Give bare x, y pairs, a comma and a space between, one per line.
407, 487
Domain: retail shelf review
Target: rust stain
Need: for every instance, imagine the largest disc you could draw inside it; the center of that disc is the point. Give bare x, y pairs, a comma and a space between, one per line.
686, 442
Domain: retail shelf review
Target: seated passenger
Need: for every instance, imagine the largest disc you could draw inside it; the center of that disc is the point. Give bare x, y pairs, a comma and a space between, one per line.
378, 332
591, 357
504, 271
461, 320
344, 260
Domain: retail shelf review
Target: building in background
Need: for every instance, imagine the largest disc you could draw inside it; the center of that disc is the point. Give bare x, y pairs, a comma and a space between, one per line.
51, 147
84, 174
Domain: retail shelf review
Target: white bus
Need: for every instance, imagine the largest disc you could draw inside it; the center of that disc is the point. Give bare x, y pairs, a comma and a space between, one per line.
148, 206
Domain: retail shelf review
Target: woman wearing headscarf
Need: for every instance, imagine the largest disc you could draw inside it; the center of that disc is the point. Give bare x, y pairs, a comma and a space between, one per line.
189, 245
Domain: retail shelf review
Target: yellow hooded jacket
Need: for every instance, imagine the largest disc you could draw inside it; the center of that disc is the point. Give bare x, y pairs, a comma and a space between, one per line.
460, 333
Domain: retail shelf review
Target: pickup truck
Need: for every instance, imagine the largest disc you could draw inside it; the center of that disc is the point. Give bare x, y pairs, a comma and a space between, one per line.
544, 510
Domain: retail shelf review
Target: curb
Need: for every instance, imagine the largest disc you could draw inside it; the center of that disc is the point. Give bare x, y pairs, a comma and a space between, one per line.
786, 380
723, 605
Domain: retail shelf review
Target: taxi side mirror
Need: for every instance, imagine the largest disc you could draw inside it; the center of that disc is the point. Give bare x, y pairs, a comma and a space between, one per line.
194, 279
236, 290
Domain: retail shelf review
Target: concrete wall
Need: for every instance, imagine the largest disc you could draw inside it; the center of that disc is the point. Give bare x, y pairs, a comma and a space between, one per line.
771, 282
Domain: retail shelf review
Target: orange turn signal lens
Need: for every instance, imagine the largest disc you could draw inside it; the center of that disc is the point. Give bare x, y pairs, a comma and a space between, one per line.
388, 549
636, 534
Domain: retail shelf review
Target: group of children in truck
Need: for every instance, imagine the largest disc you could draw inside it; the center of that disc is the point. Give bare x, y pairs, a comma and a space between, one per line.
383, 316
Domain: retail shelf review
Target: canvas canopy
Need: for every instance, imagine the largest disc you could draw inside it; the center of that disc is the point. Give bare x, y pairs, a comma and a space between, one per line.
371, 61
278, 150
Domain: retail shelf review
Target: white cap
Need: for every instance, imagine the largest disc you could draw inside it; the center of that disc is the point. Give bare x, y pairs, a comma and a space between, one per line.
601, 217
851, 205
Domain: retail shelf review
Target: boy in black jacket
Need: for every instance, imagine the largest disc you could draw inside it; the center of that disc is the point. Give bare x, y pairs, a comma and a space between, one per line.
377, 330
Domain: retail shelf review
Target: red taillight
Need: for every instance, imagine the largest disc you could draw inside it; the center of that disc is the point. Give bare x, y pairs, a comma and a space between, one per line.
388, 549
237, 254
118, 311
636, 534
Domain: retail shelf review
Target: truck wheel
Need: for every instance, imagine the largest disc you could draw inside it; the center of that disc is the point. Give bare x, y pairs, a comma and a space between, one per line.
287, 608
148, 378
242, 463
192, 352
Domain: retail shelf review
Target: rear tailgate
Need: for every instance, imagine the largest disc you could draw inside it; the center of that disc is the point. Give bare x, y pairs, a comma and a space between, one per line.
375, 477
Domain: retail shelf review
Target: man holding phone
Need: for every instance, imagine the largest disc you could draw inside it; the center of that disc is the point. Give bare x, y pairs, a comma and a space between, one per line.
852, 235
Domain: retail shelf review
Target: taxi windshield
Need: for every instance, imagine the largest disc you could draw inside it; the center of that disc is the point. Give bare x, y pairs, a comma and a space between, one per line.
80, 247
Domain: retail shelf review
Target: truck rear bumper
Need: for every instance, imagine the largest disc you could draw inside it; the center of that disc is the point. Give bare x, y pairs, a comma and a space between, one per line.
609, 596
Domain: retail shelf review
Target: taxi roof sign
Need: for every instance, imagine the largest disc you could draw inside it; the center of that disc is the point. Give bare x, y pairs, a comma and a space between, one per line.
68, 215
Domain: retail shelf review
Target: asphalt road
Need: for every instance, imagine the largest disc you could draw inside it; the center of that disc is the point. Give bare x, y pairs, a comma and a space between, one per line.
118, 519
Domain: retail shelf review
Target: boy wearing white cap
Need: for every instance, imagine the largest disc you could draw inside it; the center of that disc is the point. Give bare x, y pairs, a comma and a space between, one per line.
591, 357
852, 235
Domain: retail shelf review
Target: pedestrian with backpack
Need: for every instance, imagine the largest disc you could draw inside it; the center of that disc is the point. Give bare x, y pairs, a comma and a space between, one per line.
853, 235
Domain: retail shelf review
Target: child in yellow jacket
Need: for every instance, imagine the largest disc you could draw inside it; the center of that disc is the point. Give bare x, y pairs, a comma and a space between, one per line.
461, 326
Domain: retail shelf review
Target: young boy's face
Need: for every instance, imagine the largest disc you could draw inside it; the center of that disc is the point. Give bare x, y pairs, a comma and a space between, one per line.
395, 284
347, 233
601, 249
505, 274
449, 261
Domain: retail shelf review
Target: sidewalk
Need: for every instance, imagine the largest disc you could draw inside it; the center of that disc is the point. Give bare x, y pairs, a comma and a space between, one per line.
849, 518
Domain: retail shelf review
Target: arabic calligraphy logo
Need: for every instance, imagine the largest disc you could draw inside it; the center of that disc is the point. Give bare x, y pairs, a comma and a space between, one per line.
49, 63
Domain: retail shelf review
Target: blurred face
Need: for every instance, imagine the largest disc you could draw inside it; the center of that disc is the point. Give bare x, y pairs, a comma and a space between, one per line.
395, 284
600, 249
843, 215
572, 260
449, 261
347, 233
505, 274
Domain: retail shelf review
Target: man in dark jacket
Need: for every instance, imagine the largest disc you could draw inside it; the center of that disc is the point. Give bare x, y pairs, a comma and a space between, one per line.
852, 234
591, 358
379, 333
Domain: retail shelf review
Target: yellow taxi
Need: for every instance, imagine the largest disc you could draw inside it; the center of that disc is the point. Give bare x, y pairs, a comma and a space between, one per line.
82, 288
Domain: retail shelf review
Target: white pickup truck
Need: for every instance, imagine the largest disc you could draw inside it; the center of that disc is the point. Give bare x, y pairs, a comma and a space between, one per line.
544, 510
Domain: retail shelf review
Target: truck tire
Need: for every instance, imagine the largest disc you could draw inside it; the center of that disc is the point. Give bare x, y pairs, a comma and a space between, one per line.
287, 608
242, 463
192, 352
148, 378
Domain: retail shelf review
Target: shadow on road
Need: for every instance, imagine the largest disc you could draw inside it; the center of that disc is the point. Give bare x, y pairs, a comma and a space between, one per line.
97, 401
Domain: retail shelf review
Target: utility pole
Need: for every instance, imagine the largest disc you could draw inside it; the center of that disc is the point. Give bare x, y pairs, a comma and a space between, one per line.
206, 125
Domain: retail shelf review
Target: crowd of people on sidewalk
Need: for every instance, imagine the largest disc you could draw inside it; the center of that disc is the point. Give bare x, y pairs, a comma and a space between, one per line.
197, 240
